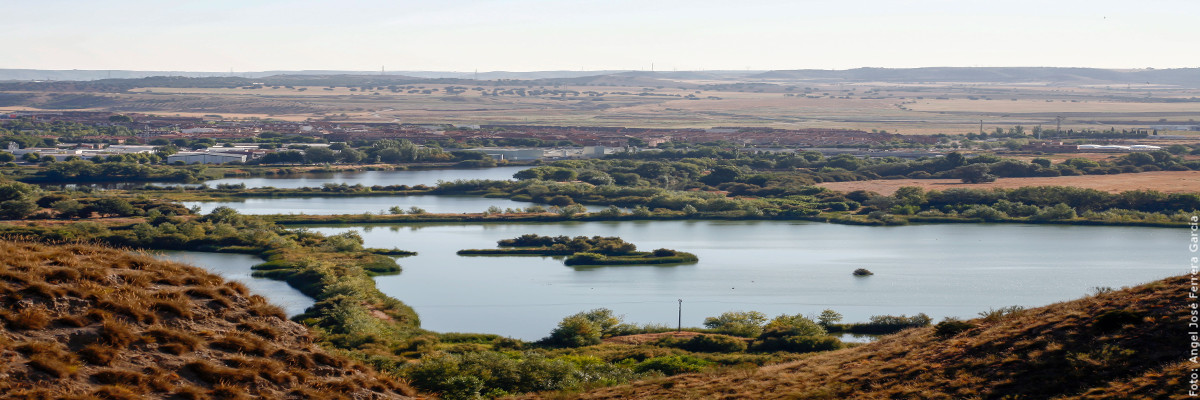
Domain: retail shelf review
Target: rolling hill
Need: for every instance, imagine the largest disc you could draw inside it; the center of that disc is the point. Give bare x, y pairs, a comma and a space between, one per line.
88, 322
1126, 344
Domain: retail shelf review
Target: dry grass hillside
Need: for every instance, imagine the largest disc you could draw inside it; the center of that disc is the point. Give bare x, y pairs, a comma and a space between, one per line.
1127, 344
87, 322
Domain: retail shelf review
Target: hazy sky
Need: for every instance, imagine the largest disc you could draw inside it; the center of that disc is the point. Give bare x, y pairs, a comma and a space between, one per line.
535, 35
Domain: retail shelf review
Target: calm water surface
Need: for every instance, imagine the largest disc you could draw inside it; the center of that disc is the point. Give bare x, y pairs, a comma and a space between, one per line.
371, 178
359, 205
236, 267
771, 266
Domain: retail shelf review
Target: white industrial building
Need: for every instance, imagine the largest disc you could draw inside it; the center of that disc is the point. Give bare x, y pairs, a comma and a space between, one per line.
513, 154
1117, 148
199, 157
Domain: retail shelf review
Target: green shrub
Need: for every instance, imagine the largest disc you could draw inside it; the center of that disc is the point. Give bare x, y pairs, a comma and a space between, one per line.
575, 331
792, 325
713, 344
798, 344
737, 323
672, 365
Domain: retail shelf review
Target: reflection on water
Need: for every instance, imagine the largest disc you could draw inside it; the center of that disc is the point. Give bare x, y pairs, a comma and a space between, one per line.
371, 178
359, 205
855, 337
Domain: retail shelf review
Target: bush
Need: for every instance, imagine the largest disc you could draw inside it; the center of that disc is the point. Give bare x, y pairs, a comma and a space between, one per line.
737, 323
950, 327
993, 315
798, 344
672, 365
575, 331
792, 325
1112, 320
713, 344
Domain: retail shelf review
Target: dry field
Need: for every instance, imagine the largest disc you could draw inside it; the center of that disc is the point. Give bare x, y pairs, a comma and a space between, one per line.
925, 108
1163, 181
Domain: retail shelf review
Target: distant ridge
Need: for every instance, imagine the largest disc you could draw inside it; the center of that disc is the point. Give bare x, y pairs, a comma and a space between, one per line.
1189, 77
1179, 76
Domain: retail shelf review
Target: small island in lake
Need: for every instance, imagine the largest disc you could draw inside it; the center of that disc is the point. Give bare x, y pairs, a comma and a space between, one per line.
583, 250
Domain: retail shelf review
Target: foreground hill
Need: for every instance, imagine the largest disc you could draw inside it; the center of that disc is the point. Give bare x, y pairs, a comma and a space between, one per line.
88, 322
1120, 345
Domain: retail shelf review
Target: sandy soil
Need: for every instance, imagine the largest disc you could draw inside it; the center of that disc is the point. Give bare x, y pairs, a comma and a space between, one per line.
1163, 181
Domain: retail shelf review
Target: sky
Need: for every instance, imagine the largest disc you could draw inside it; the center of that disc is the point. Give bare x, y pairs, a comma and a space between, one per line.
543, 35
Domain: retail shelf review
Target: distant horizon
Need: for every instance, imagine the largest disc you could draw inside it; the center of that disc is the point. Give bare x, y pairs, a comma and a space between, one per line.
398, 71
615, 35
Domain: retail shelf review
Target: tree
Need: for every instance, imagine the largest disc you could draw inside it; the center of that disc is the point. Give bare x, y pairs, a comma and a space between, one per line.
31, 157
113, 206
909, 196
120, 119
974, 173
562, 175
320, 155
721, 174
67, 208
17, 208
737, 323
792, 325
953, 160
351, 156
828, 318
598, 178
390, 155
6, 157
16, 190
575, 331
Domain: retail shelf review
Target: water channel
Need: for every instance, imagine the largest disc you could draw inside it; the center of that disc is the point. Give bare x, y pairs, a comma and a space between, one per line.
370, 178
359, 205
236, 267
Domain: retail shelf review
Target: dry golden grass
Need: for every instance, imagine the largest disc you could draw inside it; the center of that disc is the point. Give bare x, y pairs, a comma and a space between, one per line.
925, 108
88, 322
1163, 181
1120, 345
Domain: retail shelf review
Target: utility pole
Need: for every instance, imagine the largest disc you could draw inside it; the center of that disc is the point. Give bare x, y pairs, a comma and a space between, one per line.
981, 127
679, 326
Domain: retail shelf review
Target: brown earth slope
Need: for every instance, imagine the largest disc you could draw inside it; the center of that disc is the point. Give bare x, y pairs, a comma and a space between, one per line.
88, 322
1128, 344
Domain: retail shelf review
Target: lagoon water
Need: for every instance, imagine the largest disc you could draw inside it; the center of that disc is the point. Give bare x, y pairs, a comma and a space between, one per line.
359, 205
775, 267
370, 178
236, 267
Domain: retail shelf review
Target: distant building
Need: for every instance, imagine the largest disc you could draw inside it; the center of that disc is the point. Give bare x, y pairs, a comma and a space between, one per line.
513, 154
205, 158
1109, 148
593, 151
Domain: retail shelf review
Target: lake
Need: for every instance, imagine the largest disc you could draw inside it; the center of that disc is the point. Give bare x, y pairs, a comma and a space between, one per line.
371, 178
775, 267
236, 267
359, 205
428, 177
